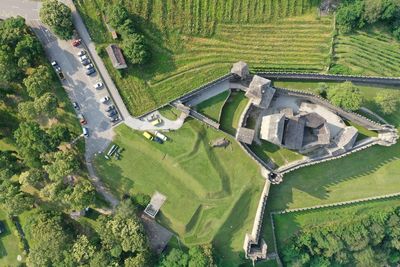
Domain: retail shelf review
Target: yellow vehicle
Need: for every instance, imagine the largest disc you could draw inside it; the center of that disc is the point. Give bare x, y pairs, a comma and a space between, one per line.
148, 135
156, 122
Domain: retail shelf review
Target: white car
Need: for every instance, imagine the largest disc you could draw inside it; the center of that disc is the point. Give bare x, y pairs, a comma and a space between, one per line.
105, 99
83, 58
85, 132
81, 53
98, 85
89, 66
161, 136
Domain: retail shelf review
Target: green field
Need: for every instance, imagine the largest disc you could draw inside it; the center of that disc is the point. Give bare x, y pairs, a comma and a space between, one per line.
280, 156
194, 42
231, 112
372, 52
9, 249
212, 107
202, 206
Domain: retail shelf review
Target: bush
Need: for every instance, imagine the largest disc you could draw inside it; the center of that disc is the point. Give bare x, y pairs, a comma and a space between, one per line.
135, 48
346, 96
58, 16
387, 101
340, 69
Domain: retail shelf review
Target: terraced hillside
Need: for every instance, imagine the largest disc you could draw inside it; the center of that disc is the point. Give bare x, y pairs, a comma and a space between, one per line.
186, 54
369, 53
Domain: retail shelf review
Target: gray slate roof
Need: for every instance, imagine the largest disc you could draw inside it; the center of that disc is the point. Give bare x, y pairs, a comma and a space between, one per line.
116, 56
346, 137
240, 69
245, 135
294, 132
272, 128
260, 91
313, 120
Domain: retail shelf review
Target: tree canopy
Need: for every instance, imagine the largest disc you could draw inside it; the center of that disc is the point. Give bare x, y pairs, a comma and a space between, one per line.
387, 101
38, 82
58, 16
135, 48
346, 96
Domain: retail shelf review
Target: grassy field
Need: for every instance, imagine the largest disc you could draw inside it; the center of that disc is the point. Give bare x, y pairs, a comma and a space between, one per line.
9, 249
372, 52
231, 112
217, 205
280, 156
212, 107
289, 224
371, 172
193, 42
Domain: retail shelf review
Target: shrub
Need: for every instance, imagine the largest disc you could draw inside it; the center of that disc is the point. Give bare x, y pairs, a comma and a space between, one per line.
346, 96
58, 16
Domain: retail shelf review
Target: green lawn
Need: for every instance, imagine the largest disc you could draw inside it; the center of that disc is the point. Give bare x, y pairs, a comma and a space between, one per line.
202, 206
169, 112
232, 111
371, 52
9, 249
280, 156
289, 224
212, 107
193, 42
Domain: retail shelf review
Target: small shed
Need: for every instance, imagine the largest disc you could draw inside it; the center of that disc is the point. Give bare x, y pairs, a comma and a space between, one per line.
260, 92
241, 70
272, 128
157, 200
245, 135
116, 56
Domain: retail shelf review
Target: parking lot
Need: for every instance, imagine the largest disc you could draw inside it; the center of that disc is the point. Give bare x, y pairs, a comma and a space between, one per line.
80, 88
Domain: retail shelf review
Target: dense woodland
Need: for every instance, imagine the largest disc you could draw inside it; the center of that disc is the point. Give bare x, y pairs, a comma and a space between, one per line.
369, 240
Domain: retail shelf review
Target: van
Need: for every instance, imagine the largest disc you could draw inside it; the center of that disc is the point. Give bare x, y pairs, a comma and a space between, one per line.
148, 135
156, 122
161, 136
85, 132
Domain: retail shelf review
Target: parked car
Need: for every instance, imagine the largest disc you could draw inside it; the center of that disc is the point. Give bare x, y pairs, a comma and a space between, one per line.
161, 136
61, 75
82, 119
105, 99
98, 85
83, 58
2, 227
157, 140
81, 53
109, 108
85, 132
148, 135
56, 66
76, 42
156, 122
89, 66
90, 71
86, 62
76, 105
114, 119
112, 113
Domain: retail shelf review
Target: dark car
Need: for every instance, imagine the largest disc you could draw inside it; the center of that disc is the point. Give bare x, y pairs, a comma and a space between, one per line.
109, 108
157, 140
112, 113
76, 105
90, 71
2, 227
86, 62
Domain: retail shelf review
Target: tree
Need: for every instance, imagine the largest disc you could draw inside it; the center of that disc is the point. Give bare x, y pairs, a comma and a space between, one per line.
372, 10
83, 250
58, 16
57, 134
80, 196
135, 48
63, 163
138, 261
117, 14
9, 162
101, 258
27, 110
12, 199
38, 82
387, 101
51, 241
31, 142
33, 177
348, 16
46, 105
175, 258
201, 256
346, 96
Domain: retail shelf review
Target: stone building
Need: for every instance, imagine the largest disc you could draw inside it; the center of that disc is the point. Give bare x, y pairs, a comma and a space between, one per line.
116, 56
272, 128
240, 70
245, 135
260, 92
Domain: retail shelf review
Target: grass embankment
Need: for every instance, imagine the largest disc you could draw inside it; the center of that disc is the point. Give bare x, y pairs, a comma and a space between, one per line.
169, 112
280, 156
195, 42
371, 172
202, 206
289, 224
232, 110
372, 52
9, 249
212, 107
